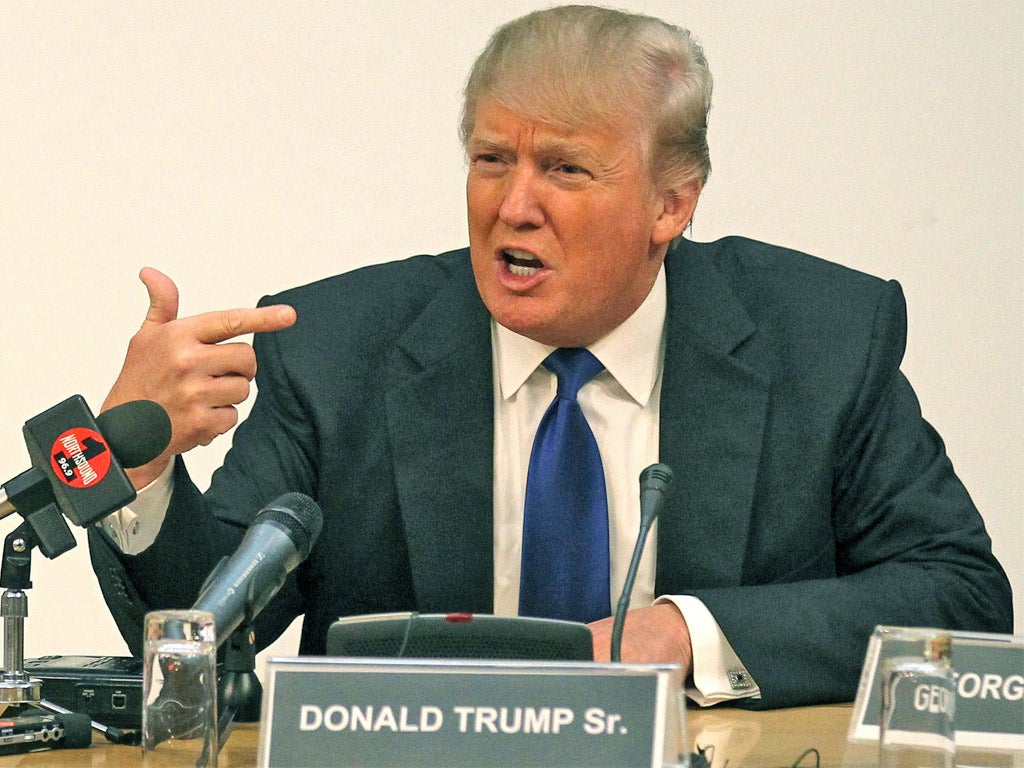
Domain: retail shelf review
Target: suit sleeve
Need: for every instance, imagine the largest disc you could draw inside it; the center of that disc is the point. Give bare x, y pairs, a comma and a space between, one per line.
170, 572
910, 547
268, 458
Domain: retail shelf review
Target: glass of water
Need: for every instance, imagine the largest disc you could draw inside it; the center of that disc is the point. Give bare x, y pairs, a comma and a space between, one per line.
916, 729
179, 690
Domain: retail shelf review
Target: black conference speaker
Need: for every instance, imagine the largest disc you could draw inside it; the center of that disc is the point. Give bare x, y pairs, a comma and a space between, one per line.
459, 636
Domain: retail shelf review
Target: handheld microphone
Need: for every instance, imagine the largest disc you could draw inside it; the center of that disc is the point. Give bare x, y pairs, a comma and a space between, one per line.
280, 537
78, 465
138, 431
655, 482
32, 733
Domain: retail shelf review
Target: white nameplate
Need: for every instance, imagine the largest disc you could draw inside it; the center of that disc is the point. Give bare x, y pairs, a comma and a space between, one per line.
989, 673
368, 712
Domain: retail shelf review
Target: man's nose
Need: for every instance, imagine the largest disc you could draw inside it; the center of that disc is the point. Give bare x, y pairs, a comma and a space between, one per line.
521, 204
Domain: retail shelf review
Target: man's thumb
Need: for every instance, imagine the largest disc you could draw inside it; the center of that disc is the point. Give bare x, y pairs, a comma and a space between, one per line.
163, 296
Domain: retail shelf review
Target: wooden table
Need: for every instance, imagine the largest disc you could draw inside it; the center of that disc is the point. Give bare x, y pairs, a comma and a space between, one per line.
745, 739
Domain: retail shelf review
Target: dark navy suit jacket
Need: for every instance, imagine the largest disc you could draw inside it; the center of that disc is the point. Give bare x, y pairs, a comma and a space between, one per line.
811, 503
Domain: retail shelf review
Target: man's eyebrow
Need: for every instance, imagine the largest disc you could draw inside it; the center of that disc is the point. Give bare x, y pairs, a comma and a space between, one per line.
550, 147
562, 148
487, 145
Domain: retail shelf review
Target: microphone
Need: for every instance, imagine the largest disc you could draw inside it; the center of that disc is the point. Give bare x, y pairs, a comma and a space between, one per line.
138, 431
655, 482
78, 464
32, 733
280, 537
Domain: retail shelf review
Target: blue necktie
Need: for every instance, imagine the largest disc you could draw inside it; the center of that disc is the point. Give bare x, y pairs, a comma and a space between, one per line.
565, 571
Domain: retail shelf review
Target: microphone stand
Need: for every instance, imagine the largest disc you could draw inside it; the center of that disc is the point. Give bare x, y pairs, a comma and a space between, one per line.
239, 691
44, 528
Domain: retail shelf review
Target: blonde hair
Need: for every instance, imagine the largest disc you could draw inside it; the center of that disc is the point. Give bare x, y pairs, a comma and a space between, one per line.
584, 65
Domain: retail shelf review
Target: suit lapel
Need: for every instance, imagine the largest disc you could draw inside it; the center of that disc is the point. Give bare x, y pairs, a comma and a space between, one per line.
713, 411
440, 411
440, 415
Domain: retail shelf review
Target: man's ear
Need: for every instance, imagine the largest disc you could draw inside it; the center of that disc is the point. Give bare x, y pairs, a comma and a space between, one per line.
677, 209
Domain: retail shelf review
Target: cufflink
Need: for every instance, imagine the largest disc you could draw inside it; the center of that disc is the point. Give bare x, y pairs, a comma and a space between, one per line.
739, 679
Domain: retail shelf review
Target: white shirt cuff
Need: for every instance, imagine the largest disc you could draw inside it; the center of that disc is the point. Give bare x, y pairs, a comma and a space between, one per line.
133, 529
718, 674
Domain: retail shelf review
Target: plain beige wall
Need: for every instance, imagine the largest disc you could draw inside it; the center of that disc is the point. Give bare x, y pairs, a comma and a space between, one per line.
244, 147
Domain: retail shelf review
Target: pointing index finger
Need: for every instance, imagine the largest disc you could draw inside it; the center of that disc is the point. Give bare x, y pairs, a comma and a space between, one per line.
214, 327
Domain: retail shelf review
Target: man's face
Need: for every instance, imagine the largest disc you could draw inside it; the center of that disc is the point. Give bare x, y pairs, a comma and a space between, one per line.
565, 234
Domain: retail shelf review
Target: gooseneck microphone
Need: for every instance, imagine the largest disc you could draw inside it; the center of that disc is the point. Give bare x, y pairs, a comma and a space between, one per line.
655, 482
280, 537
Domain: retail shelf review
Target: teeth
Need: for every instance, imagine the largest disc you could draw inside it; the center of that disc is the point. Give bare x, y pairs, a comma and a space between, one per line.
522, 263
520, 271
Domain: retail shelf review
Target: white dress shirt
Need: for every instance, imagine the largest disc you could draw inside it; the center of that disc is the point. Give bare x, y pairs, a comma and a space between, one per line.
622, 406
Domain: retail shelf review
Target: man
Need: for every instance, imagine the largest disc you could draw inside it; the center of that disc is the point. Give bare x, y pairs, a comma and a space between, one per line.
811, 503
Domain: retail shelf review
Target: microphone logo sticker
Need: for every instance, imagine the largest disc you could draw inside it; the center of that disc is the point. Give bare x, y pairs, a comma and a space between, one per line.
80, 457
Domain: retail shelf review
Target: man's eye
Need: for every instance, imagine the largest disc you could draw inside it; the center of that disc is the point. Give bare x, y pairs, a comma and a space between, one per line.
571, 170
488, 164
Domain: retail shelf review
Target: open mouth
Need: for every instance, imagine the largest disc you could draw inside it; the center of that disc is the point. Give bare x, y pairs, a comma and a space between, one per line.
521, 263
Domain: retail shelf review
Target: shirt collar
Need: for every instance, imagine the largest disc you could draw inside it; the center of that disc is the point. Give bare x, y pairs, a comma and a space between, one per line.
632, 353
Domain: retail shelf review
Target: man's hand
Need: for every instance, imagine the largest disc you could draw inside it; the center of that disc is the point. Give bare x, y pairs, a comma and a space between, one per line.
654, 635
183, 366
